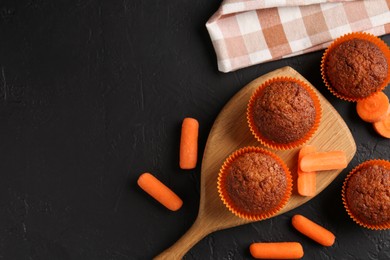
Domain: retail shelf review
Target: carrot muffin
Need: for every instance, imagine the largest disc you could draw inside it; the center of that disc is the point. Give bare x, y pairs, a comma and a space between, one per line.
366, 194
356, 66
283, 113
254, 183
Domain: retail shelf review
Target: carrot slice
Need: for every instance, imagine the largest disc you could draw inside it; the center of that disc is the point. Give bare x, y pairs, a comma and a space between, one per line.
313, 230
322, 161
306, 181
374, 108
189, 143
383, 127
159, 191
276, 250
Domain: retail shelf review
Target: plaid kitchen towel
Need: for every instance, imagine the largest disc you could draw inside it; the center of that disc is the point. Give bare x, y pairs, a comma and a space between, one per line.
248, 32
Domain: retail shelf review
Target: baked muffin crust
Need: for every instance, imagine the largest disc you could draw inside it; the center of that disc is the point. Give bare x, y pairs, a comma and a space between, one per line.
368, 194
284, 112
356, 68
256, 183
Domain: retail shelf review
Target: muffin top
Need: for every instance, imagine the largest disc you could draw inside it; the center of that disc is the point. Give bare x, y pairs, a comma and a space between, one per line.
356, 68
256, 183
368, 194
284, 112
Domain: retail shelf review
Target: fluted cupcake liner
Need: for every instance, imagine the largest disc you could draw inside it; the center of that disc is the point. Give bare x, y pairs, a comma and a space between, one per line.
356, 219
270, 143
222, 189
350, 36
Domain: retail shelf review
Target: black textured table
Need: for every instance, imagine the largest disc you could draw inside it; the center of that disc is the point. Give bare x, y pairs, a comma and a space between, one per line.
92, 94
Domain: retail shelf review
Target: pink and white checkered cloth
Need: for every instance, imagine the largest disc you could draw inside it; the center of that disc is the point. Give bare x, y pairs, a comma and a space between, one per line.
248, 32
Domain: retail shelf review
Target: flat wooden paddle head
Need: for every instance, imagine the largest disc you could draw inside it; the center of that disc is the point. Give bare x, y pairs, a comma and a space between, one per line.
229, 133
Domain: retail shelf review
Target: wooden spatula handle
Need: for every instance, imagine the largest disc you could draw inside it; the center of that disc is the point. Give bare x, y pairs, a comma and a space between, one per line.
186, 242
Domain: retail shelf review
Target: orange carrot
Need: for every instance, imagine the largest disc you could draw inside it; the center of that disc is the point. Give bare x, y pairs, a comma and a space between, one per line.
189, 143
383, 127
159, 191
276, 250
313, 230
322, 161
306, 181
374, 108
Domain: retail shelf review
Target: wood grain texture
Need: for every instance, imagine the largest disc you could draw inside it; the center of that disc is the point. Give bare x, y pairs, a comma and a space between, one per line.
229, 133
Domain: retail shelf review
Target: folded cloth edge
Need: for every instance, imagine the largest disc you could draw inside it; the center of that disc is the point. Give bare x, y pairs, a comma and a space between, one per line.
238, 6
225, 65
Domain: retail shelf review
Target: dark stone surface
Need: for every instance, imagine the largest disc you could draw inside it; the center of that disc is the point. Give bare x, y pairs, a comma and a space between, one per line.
92, 94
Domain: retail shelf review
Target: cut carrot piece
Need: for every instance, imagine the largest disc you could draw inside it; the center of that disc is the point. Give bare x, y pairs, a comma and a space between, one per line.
159, 191
306, 181
383, 127
374, 108
276, 250
313, 230
306, 184
189, 143
322, 161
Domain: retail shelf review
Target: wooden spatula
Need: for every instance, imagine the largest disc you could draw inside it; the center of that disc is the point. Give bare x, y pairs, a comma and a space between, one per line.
229, 133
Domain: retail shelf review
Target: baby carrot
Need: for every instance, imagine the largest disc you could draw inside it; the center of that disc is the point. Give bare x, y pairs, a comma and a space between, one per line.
322, 161
189, 143
383, 127
276, 250
313, 230
159, 191
372, 109
306, 181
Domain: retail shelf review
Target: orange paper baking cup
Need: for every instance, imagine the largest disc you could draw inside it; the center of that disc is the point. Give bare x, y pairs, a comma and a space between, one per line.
356, 219
224, 195
350, 36
270, 143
